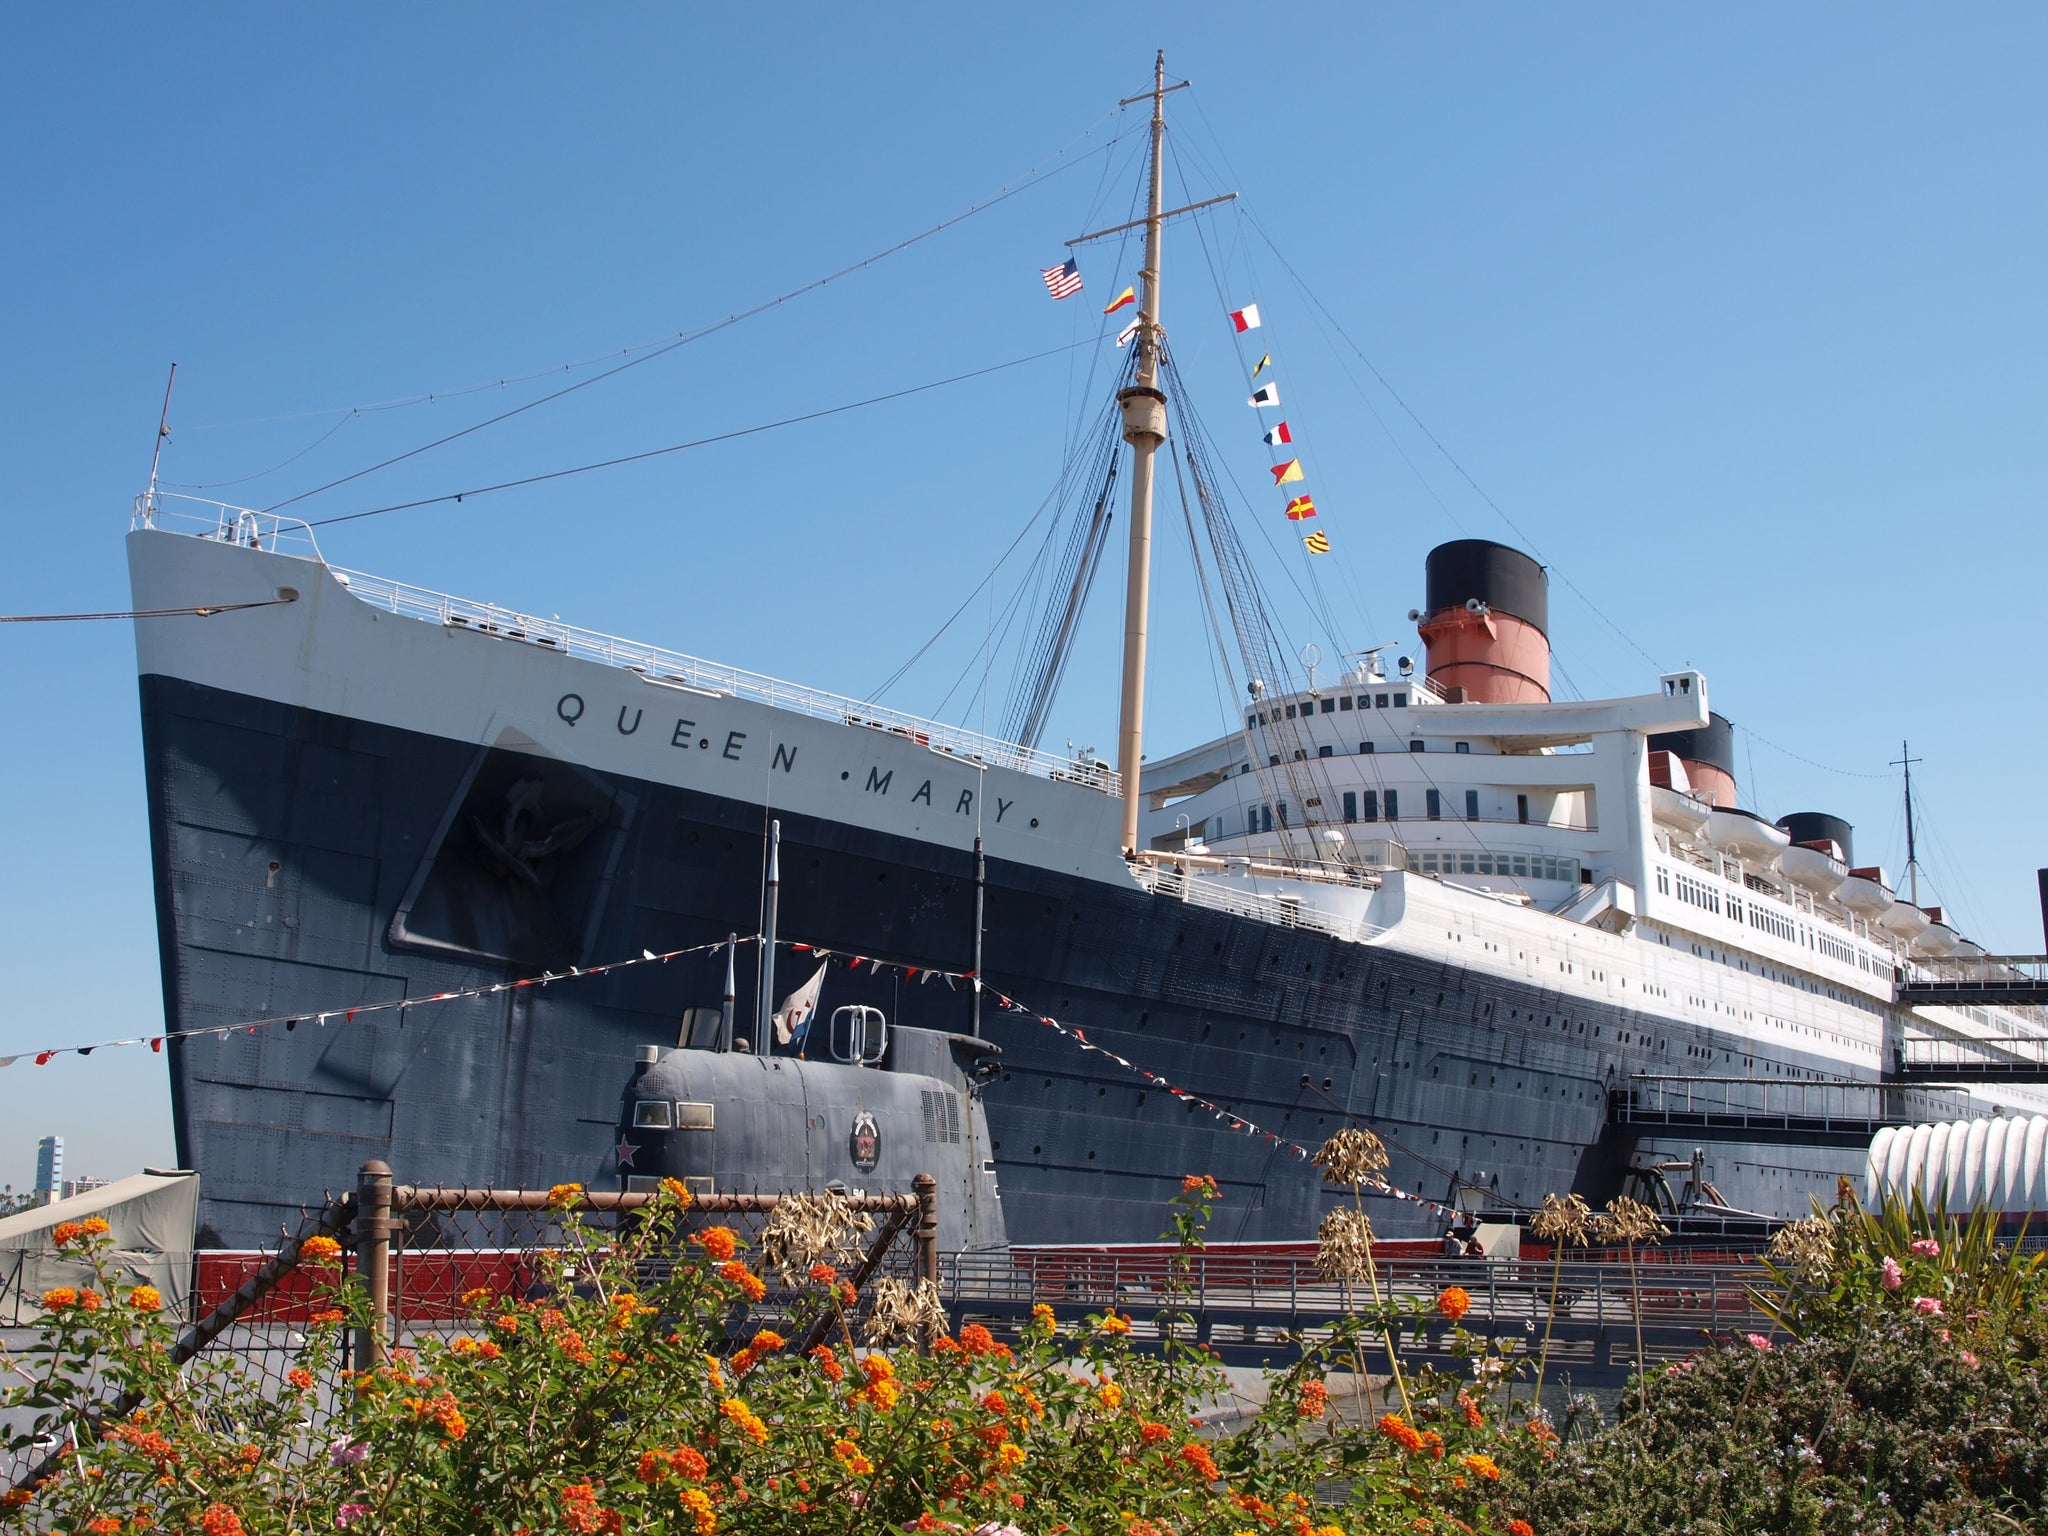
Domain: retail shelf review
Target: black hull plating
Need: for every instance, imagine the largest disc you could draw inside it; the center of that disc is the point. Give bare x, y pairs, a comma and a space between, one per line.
309, 862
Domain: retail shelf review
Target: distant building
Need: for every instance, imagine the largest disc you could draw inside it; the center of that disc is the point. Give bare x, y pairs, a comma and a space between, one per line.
49, 1169
82, 1183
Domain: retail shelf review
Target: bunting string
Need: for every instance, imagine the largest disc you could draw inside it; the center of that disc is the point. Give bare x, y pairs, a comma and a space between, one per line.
348, 1015
1078, 1037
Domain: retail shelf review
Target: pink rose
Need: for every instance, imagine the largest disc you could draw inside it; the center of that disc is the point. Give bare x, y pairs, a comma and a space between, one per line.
1969, 1359
348, 1454
1759, 1341
1926, 1248
1893, 1276
1930, 1305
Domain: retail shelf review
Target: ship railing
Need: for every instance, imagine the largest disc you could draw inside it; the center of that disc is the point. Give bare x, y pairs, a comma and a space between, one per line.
673, 669
1222, 894
202, 518
1506, 1293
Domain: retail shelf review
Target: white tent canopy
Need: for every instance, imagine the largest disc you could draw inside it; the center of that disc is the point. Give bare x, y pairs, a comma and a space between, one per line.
151, 1217
2000, 1162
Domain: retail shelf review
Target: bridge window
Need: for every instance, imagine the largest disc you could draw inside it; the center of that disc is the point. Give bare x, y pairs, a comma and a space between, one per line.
1329, 706
1393, 805
1350, 805
1372, 804
1345, 702
1324, 751
1365, 749
652, 1115
1400, 701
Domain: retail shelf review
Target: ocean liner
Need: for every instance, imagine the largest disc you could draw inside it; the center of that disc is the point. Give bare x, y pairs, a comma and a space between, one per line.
1432, 899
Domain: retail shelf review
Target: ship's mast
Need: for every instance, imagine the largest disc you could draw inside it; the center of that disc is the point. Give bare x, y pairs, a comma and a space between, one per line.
1906, 761
1144, 411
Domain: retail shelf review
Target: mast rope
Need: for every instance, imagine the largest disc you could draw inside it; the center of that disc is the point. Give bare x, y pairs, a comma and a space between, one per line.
683, 339
702, 442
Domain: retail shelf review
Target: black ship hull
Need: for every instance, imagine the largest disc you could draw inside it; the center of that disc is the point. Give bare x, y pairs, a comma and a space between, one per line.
310, 862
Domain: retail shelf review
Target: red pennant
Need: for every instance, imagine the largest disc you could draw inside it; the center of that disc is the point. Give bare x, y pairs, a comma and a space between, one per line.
157, 1045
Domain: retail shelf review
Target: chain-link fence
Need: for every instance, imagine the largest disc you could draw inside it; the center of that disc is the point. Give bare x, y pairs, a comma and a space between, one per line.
417, 1251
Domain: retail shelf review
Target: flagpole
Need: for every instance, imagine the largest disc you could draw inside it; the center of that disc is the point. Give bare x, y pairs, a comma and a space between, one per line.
1144, 412
764, 1023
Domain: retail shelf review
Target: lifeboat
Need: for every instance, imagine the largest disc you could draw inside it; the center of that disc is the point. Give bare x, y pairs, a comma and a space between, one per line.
1904, 920
1816, 867
1678, 810
1866, 892
1965, 950
1746, 835
1938, 940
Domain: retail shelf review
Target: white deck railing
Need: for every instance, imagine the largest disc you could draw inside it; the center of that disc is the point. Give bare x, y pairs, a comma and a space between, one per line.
284, 535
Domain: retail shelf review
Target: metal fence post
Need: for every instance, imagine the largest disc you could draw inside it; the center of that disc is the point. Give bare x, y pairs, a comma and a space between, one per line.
927, 1236
373, 1260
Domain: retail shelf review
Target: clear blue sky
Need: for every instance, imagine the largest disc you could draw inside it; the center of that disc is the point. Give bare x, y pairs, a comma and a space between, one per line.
1738, 316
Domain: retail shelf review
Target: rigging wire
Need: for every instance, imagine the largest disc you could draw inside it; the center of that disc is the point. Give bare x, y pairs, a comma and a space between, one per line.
685, 338
262, 474
430, 397
700, 442
206, 612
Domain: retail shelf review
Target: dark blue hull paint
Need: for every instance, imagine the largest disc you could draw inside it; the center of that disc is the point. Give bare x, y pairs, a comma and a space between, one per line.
309, 862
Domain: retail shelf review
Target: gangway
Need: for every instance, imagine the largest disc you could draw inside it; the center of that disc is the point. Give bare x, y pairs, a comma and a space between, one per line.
2009, 980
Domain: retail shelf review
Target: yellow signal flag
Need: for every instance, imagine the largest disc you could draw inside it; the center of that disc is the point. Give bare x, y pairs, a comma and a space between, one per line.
1317, 543
1300, 508
1288, 473
1264, 363
1128, 296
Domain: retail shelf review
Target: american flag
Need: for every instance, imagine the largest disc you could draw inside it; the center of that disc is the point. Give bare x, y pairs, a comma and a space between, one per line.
1062, 281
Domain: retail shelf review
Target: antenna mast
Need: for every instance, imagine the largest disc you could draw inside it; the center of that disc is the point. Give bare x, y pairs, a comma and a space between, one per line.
1906, 761
1144, 411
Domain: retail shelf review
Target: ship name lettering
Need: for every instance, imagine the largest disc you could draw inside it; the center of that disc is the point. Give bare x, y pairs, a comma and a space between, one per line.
625, 729
924, 793
966, 805
880, 781
681, 736
562, 707
785, 756
1002, 805
732, 745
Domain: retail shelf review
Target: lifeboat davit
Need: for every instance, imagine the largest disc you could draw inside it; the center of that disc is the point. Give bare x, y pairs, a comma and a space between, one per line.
1904, 919
1815, 867
1678, 810
1866, 892
1746, 835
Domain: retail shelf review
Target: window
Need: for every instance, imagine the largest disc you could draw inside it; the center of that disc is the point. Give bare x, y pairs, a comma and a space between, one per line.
1345, 702
1372, 805
1243, 768
1267, 814
1251, 721
1471, 805
1273, 761
1433, 805
1290, 711
1522, 809
1350, 805
1364, 748
1400, 701
1324, 751
1300, 754
696, 1117
1463, 746
652, 1115
1393, 805
1383, 701
1281, 808
1329, 706
1416, 746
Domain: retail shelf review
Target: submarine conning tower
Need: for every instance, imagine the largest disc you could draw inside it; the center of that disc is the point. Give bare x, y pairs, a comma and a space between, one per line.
1709, 757
1486, 624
